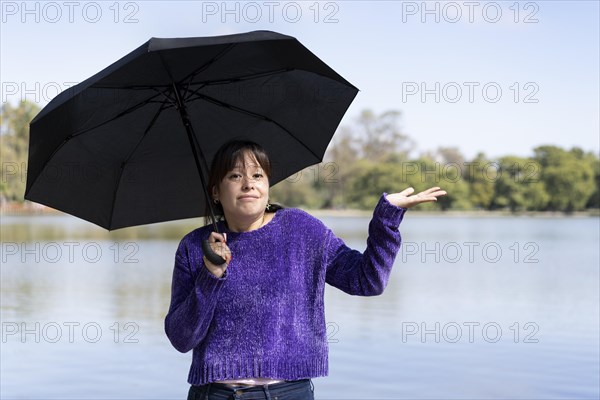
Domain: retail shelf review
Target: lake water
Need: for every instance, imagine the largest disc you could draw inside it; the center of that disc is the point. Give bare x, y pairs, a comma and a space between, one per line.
476, 308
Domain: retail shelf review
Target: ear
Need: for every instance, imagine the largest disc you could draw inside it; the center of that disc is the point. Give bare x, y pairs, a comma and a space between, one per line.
215, 192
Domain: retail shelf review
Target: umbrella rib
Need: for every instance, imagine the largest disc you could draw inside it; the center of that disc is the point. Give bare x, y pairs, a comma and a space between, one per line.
156, 115
207, 64
204, 83
248, 77
192, 74
159, 92
256, 115
119, 115
130, 87
65, 140
150, 125
124, 112
167, 97
232, 80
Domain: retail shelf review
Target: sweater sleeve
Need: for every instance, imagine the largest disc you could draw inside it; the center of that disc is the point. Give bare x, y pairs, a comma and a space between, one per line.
366, 274
194, 295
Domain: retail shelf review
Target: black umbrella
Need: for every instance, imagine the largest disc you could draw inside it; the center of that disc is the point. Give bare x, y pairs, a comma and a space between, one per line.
127, 146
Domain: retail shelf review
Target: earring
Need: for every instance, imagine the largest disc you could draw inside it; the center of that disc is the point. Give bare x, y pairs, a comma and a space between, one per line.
268, 207
216, 201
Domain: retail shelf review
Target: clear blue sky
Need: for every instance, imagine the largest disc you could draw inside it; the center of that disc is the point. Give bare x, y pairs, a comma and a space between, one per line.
547, 68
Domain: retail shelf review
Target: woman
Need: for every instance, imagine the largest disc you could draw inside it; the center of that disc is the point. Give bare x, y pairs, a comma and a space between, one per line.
256, 323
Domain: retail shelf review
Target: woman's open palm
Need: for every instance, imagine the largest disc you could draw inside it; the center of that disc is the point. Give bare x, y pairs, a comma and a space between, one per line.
406, 199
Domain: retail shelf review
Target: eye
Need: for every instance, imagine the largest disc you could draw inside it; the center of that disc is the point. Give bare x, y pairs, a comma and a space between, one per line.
235, 176
257, 176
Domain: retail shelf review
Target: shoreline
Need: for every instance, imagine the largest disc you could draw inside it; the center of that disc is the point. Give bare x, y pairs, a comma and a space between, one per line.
460, 213
20, 209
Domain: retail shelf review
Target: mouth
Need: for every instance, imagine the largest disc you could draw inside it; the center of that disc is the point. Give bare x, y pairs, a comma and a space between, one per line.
247, 198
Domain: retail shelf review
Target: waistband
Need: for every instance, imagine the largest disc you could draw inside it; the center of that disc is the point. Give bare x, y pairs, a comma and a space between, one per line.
250, 387
251, 382
238, 390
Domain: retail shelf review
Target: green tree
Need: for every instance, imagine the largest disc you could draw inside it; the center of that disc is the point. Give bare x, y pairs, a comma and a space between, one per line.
370, 181
518, 186
340, 164
420, 174
449, 167
568, 176
377, 138
480, 173
458, 197
594, 200
297, 191
450, 156
380, 136
14, 144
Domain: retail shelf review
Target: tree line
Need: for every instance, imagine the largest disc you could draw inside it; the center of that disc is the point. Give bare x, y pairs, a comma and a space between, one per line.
373, 156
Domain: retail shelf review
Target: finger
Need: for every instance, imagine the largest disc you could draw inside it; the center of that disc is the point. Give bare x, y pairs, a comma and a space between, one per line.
407, 191
216, 237
222, 250
427, 198
219, 246
435, 191
438, 193
430, 190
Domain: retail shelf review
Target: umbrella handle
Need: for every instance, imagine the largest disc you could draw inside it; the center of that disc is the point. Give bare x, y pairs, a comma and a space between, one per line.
211, 255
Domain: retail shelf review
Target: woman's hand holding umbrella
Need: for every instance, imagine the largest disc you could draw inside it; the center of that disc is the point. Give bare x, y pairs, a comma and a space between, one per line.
406, 199
217, 242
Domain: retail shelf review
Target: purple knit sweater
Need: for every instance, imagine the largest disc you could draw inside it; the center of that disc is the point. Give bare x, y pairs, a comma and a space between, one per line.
265, 317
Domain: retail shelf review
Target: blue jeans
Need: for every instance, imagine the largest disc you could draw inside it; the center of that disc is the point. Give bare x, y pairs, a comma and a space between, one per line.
290, 390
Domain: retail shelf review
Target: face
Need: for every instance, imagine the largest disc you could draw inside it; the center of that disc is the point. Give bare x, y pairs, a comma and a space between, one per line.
244, 191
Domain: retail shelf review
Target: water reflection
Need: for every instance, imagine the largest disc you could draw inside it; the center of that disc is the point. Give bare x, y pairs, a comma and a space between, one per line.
58, 270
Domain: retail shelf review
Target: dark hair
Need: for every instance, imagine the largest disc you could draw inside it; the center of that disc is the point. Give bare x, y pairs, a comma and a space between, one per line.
227, 157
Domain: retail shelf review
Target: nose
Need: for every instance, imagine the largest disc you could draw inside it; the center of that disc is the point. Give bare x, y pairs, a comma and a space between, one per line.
247, 183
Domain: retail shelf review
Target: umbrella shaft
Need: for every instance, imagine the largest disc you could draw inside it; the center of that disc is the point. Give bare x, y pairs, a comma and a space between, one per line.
197, 154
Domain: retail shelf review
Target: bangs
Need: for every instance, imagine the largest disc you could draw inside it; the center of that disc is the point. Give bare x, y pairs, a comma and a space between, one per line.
239, 159
232, 156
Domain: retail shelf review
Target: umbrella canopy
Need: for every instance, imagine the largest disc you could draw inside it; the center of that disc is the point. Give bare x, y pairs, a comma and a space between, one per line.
125, 147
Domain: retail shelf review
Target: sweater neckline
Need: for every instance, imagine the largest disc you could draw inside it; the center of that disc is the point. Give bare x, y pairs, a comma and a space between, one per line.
264, 228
